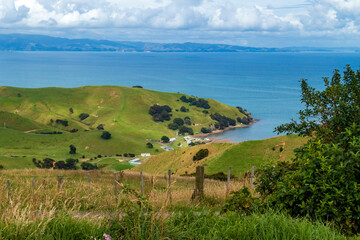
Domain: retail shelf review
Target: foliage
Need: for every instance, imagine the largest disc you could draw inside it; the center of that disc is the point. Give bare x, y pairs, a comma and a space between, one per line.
160, 113
45, 163
328, 112
184, 129
71, 110
165, 139
65, 123
241, 201
223, 121
187, 120
178, 121
245, 120
324, 182
205, 130
201, 154
100, 127
149, 145
88, 166
106, 135
137, 86
83, 116
201, 103
173, 126
183, 109
72, 149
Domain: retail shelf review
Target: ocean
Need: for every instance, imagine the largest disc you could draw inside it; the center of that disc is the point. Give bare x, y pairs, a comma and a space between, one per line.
266, 84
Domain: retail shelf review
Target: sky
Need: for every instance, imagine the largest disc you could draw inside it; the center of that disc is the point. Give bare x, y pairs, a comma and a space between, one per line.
259, 23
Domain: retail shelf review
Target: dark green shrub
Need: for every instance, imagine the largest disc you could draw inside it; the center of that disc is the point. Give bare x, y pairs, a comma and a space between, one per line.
149, 145
83, 116
201, 154
173, 126
106, 135
178, 121
100, 127
187, 120
165, 139
88, 166
72, 149
184, 109
205, 130
160, 113
1, 167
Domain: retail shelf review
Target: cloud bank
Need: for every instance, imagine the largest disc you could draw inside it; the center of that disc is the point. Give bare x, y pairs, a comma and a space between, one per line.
202, 19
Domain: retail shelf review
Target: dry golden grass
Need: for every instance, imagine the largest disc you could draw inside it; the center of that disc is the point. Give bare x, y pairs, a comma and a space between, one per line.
24, 202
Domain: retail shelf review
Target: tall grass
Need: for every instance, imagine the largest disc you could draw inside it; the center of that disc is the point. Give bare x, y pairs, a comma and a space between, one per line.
71, 212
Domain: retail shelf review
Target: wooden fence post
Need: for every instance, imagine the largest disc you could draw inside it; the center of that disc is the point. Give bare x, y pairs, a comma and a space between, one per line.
142, 182
228, 181
9, 190
60, 181
169, 173
115, 188
199, 183
252, 177
89, 183
33, 183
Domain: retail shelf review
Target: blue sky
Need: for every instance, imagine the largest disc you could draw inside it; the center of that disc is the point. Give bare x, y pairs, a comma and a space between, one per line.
276, 23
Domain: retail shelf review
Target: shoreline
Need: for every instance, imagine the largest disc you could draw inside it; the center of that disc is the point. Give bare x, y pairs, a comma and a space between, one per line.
204, 135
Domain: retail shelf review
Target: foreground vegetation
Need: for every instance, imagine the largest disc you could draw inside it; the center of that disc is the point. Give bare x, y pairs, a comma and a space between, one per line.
46, 211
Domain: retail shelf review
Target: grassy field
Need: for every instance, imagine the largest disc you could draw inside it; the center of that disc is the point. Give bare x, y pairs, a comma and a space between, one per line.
123, 112
40, 209
240, 157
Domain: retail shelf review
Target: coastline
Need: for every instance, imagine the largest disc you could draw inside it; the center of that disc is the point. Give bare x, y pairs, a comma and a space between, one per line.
204, 135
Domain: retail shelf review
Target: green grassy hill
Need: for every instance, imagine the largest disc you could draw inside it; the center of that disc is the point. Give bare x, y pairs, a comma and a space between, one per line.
240, 157
123, 111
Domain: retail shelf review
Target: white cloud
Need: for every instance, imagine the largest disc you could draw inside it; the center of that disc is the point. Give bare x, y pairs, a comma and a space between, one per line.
202, 17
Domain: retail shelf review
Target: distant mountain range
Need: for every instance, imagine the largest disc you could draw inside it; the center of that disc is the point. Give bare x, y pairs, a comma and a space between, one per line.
25, 42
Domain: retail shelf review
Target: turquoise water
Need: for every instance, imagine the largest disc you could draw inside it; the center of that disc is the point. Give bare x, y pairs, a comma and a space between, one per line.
266, 84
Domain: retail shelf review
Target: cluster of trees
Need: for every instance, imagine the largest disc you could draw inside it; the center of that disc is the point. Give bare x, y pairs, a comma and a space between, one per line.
178, 122
245, 120
183, 129
137, 86
222, 121
129, 155
201, 103
83, 116
160, 113
206, 130
65, 123
68, 164
48, 163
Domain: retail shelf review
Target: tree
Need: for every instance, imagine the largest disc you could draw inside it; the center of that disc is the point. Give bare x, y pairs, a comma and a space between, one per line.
83, 116
72, 149
328, 112
322, 181
178, 121
183, 109
71, 110
201, 154
165, 139
88, 166
100, 127
149, 145
106, 135
70, 164
173, 126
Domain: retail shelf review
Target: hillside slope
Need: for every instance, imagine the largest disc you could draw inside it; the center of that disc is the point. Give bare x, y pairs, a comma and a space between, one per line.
240, 157
122, 111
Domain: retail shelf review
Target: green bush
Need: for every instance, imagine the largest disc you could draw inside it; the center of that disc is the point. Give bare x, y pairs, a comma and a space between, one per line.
149, 145
201, 154
165, 139
241, 201
83, 116
322, 183
106, 135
